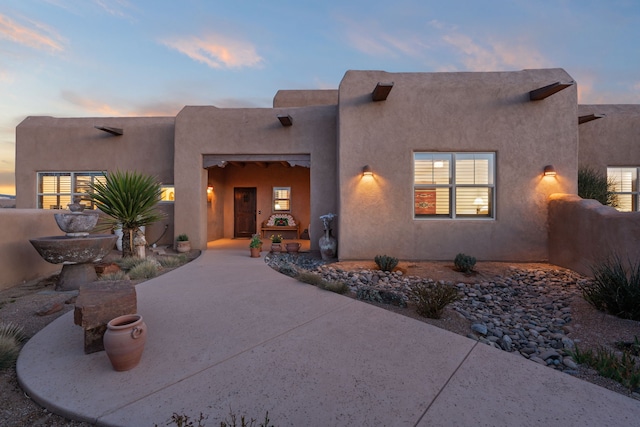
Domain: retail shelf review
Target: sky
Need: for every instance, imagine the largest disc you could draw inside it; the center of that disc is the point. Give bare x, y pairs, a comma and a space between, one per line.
104, 58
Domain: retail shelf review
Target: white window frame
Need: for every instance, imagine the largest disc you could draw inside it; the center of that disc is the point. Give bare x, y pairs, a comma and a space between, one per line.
73, 175
634, 191
276, 199
486, 211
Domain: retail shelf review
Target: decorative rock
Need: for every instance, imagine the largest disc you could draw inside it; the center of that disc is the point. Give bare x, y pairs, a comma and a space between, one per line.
50, 308
479, 328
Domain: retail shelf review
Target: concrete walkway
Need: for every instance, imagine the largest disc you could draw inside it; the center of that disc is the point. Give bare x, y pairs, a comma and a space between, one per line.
226, 332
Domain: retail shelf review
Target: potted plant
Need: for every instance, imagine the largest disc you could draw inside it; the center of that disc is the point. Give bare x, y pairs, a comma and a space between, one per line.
129, 199
182, 243
292, 247
255, 246
276, 240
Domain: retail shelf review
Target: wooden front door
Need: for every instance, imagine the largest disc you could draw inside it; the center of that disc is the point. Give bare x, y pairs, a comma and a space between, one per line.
244, 212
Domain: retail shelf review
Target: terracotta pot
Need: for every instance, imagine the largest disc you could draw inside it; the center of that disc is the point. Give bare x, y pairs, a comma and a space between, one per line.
255, 252
293, 247
124, 341
183, 246
276, 247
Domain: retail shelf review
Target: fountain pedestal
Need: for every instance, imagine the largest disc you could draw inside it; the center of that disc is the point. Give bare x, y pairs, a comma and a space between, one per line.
77, 250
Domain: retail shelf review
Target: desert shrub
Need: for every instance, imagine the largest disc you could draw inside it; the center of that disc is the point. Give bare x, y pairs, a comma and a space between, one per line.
288, 269
11, 336
127, 263
385, 262
595, 185
146, 269
317, 280
334, 286
622, 368
615, 288
464, 263
172, 261
368, 293
310, 278
432, 298
116, 275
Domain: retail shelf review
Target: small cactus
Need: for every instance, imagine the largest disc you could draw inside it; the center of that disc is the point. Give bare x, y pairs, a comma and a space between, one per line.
385, 262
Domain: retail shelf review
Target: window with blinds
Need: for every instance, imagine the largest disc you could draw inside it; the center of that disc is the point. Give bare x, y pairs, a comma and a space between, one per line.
57, 189
282, 199
454, 185
624, 184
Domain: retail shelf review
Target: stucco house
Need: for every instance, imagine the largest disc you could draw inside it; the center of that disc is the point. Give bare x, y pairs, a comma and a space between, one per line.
416, 165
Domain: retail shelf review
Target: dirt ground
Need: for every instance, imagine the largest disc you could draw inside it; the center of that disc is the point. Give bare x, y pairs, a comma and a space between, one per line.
22, 303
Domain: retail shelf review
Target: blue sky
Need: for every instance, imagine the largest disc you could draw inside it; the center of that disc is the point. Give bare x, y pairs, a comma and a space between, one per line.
84, 58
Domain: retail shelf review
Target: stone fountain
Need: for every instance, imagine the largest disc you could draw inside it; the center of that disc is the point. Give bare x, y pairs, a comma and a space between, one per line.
77, 250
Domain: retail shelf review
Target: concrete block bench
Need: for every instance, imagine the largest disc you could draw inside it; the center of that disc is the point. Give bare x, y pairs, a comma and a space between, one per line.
97, 304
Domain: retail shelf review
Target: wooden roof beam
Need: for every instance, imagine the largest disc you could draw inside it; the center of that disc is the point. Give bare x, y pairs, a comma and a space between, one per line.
588, 117
545, 92
112, 131
285, 119
381, 92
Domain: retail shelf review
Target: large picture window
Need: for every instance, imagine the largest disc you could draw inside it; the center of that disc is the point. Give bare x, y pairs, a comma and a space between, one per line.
57, 189
625, 186
454, 185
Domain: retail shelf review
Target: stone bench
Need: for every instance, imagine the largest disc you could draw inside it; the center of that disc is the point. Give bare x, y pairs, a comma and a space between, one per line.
97, 304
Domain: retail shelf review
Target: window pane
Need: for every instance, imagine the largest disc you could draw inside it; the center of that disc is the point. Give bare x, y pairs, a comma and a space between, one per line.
474, 168
624, 179
432, 168
473, 201
168, 194
431, 201
281, 199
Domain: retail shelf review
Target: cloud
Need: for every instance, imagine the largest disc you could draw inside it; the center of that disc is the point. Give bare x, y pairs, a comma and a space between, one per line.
216, 51
370, 39
34, 35
89, 105
477, 55
115, 8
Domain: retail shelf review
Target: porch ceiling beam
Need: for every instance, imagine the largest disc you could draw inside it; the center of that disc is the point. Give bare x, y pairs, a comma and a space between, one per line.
547, 91
220, 160
588, 117
237, 164
112, 131
285, 164
381, 91
262, 164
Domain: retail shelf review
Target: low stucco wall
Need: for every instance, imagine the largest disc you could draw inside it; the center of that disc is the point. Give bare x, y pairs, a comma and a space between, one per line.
19, 261
583, 232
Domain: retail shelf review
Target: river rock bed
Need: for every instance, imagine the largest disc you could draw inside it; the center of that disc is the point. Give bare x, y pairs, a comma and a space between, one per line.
524, 311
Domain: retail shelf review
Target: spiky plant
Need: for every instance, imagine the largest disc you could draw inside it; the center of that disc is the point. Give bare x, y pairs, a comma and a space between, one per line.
11, 335
129, 199
595, 185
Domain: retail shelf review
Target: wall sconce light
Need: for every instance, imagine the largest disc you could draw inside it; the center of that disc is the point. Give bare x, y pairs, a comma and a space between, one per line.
366, 171
549, 170
209, 193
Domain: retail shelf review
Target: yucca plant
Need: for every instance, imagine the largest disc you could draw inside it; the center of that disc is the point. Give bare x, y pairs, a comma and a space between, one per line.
596, 185
11, 336
129, 199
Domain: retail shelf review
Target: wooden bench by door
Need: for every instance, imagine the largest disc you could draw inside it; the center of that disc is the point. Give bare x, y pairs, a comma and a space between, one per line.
244, 211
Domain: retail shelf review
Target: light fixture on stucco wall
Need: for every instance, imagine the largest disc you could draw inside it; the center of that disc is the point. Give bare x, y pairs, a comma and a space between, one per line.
209, 194
367, 171
549, 170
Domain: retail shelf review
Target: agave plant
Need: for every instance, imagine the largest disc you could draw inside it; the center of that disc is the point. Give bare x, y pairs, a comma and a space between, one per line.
129, 199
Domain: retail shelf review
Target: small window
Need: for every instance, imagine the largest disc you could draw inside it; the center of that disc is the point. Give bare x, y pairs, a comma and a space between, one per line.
625, 186
454, 185
282, 199
57, 189
168, 193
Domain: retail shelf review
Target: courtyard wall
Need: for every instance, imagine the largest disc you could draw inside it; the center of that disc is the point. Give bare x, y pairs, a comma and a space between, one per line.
584, 232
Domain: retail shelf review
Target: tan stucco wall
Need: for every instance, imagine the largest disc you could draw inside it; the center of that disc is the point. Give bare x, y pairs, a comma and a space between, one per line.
452, 112
73, 144
584, 232
264, 179
613, 140
19, 260
209, 130
305, 98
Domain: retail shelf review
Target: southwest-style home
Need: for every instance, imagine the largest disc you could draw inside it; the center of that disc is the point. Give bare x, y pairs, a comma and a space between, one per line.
415, 165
